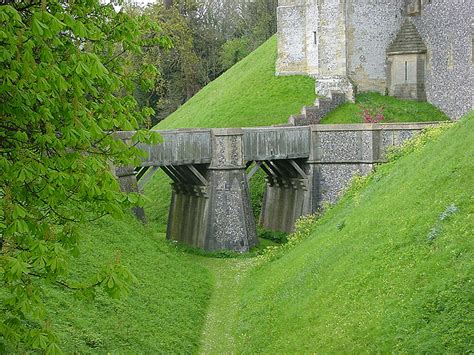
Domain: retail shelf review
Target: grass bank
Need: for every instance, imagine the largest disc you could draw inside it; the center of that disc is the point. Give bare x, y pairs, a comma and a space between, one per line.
393, 110
165, 309
389, 268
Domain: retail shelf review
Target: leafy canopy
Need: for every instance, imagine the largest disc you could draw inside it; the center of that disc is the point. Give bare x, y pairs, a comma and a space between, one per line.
65, 88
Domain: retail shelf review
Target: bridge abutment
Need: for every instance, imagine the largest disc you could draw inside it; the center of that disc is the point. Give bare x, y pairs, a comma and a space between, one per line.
337, 154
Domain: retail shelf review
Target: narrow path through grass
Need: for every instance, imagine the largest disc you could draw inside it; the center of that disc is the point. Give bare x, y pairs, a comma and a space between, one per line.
222, 317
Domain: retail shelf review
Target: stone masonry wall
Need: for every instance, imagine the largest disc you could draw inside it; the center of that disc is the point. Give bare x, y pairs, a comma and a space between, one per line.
371, 26
291, 18
446, 28
332, 38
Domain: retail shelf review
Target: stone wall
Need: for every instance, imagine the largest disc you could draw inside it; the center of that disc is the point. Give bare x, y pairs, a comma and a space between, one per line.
371, 26
446, 28
291, 18
332, 38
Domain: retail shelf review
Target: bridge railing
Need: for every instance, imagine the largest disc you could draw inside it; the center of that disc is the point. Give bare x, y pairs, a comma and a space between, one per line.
273, 143
179, 147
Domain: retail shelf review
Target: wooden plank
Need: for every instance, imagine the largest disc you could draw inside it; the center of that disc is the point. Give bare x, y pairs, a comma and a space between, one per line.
142, 182
298, 168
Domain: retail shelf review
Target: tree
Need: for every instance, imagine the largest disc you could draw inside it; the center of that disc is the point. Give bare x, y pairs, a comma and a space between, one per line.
189, 65
65, 88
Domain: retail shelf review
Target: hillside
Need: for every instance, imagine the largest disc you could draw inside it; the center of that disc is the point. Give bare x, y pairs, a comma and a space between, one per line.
387, 269
166, 306
248, 94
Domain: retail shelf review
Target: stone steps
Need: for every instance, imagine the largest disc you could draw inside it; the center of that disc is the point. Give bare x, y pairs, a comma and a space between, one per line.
322, 106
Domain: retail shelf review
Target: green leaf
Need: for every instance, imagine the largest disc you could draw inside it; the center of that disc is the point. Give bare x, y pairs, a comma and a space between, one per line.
16, 268
79, 29
133, 198
53, 349
37, 27
19, 212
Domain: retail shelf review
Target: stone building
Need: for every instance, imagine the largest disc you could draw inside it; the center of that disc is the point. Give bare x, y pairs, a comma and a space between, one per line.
418, 49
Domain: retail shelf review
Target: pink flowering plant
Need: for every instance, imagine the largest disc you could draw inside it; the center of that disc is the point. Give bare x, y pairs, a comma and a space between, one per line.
372, 115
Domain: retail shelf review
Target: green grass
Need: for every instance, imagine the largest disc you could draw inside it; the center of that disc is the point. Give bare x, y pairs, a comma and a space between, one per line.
165, 309
248, 94
394, 110
383, 270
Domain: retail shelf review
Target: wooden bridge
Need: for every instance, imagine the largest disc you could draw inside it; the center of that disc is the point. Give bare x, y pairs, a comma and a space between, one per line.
210, 170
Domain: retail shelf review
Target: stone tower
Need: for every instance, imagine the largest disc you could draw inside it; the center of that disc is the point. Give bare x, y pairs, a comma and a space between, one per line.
312, 41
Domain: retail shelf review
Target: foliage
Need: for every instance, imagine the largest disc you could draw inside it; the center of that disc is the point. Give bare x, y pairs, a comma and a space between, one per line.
275, 236
234, 51
394, 110
261, 20
209, 37
418, 142
377, 284
183, 69
252, 23
257, 187
303, 229
65, 88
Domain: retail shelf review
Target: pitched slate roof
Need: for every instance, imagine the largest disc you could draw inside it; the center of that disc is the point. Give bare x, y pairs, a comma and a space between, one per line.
408, 40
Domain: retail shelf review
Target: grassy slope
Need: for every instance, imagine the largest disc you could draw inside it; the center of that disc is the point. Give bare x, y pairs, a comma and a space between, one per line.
394, 110
165, 310
248, 94
378, 284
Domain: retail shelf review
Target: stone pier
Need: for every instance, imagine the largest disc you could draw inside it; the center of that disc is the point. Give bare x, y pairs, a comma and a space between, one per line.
287, 196
210, 205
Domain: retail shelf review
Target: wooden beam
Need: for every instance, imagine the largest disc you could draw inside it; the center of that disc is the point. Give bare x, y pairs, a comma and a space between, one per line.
252, 172
144, 179
298, 169
198, 174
